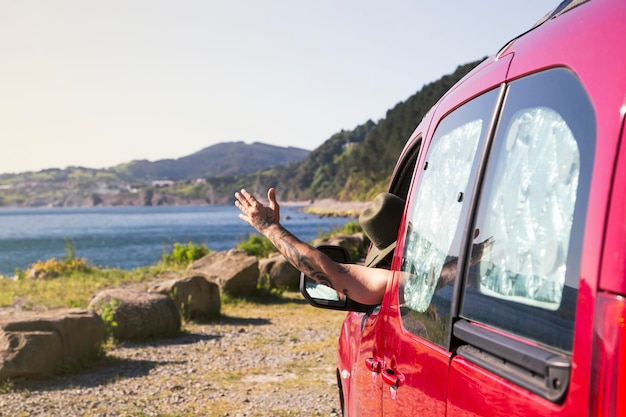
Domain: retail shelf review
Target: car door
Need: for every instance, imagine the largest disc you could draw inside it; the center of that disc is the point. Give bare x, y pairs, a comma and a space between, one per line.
517, 313
416, 358
363, 334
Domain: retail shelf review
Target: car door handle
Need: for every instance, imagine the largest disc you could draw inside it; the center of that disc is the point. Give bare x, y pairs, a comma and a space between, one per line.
373, 364
393, 378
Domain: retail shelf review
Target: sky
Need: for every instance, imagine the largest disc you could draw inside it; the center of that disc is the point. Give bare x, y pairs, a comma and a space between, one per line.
98, 83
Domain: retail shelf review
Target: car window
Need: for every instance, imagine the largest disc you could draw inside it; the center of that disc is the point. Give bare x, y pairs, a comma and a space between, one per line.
533, 202
432, 238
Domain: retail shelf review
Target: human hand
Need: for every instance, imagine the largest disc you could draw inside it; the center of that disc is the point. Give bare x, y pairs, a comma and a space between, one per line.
256, 214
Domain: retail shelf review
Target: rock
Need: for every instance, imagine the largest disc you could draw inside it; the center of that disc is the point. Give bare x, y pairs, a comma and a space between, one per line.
265, 268
356, 243
139, 315
39, 344
234, 271
194, 295
277, 272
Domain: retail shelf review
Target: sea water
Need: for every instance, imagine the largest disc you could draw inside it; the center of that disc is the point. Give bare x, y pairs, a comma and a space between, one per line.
130, 237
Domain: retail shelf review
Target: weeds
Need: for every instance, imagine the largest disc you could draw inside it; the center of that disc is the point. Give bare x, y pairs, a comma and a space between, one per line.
70, 249
183, 306
257, 245
184, 254
52, 268
348, 229
6, 386
107, 314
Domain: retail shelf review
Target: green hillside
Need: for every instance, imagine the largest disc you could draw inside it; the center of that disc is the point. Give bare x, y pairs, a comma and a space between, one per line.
143, 182
351, 165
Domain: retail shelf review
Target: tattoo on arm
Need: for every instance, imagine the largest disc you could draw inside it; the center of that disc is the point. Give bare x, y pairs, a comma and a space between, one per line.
323, 279
344, 269
303, 263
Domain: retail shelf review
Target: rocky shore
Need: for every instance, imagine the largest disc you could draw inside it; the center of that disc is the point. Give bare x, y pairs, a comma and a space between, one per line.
329, 207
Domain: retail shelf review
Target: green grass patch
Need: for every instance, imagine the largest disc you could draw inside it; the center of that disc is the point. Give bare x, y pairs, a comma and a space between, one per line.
73, 289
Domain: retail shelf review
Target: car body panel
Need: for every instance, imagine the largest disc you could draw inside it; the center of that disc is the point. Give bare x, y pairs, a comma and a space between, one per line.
418, 360
362, 385
613, 269
421, 365
493, 395
439, 381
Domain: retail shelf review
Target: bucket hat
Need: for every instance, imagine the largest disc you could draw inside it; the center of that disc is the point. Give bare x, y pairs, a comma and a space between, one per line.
381, 222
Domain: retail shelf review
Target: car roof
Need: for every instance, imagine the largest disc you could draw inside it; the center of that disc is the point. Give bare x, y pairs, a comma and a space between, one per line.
564, 7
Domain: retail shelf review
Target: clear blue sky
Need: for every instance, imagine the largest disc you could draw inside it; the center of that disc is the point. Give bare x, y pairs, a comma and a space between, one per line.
98, 83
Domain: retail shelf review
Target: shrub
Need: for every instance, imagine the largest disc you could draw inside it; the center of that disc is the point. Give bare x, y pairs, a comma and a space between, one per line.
107, 314
349, 228
184, 254
70, 250
54, 267
257, 245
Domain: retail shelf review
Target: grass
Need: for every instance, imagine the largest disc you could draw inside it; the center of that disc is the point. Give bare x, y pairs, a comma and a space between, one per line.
74, 289
71, 282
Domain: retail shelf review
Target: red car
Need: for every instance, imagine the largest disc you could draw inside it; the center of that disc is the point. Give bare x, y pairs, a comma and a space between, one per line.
526, 152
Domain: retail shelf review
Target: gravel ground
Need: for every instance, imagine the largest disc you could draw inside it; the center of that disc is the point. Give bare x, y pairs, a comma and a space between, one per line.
258, 360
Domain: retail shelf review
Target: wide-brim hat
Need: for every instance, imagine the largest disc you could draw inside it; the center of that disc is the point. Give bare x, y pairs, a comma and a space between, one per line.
381, 222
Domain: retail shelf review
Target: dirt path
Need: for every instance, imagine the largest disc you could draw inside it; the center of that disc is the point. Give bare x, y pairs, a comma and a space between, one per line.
258, 360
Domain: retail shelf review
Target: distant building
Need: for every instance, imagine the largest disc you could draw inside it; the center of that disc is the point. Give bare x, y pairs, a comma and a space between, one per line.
349, 145
162, 183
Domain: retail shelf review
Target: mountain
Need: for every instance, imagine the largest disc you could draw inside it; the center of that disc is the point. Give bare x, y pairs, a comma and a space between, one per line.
143, 182
223, 159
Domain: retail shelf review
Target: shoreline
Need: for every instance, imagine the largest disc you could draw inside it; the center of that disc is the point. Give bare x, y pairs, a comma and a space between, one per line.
312, 206
327, 207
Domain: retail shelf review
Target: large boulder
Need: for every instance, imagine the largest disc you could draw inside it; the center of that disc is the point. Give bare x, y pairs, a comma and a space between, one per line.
38, 344
196, 297
234, 271
356, 244
276, 272
138, 315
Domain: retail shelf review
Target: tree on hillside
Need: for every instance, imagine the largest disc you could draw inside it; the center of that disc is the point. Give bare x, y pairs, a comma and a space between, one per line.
365, 171
353, 164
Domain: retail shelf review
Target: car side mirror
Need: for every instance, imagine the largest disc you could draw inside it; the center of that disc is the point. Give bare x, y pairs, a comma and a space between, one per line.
322, 296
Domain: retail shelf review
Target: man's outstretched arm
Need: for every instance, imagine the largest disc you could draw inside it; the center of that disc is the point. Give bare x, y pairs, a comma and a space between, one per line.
361, 284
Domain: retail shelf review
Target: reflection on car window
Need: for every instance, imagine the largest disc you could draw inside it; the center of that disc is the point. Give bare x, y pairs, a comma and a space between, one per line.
530, 210
533, 204
322, 292
436, 217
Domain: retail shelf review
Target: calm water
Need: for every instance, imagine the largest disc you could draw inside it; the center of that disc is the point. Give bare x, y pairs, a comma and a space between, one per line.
129, 237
